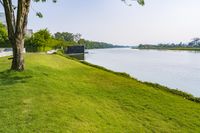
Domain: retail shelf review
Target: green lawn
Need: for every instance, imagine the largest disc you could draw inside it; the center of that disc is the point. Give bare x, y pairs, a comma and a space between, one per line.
56, 94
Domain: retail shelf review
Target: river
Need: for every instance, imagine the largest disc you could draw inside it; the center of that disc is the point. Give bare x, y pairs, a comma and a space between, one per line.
174, 69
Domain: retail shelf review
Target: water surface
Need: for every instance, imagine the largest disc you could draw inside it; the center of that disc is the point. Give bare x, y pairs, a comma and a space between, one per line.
175, 69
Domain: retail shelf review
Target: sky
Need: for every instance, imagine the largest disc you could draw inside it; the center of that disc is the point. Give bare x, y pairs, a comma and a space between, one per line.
159, 21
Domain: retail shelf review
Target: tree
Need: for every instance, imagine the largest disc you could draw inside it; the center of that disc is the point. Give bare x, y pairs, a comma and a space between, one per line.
77, 37
81, 41
196, 41
64, 36
17, 19
16, 26
39, 41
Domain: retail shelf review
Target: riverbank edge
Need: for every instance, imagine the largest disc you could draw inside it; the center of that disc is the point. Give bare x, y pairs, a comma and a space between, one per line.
177, 92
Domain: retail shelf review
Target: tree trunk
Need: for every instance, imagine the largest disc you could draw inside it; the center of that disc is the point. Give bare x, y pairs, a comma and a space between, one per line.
18, 59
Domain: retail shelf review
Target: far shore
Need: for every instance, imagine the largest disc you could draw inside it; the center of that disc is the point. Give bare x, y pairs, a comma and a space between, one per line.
183, 49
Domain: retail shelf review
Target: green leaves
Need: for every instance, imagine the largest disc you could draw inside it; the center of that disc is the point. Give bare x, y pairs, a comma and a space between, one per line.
141, 2
3, 34
39, 14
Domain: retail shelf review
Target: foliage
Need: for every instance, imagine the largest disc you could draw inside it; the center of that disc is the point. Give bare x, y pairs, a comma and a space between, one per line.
3, 36
195, 42
64, 36
77, 37
39, 41
67, 37
92, 100
141, 2
43, 41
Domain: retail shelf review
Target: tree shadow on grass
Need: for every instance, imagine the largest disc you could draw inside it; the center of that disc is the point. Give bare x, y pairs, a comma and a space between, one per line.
10, 77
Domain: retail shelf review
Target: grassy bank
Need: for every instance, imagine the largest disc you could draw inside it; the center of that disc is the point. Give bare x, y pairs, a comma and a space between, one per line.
56, 94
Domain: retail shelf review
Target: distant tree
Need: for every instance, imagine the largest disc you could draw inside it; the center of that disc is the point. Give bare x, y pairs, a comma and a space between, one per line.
77, 37
64, 36
196, 41
81, 41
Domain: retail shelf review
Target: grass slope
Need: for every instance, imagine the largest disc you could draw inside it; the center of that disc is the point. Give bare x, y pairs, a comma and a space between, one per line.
56, 94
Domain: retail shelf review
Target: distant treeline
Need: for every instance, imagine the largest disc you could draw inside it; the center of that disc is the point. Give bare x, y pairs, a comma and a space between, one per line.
43, 40
159, 46
96, 45
193, 45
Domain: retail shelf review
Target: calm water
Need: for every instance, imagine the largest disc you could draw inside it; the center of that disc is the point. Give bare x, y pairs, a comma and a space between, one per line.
175, 69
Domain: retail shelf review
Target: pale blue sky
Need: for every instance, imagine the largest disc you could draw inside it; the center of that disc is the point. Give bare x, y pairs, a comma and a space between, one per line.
114, 22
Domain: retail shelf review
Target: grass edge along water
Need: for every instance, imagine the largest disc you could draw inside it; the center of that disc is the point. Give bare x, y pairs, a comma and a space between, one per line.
154, 85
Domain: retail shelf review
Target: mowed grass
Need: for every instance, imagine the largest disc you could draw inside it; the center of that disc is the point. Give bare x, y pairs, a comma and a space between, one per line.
56, 94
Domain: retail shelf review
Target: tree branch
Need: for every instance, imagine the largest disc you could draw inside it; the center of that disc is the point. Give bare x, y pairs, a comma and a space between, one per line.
9, 18
13, 14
